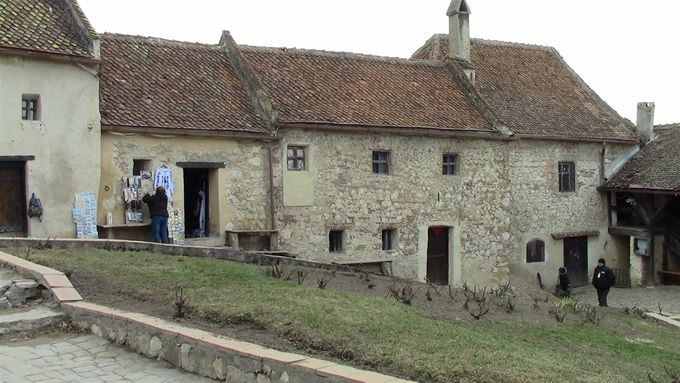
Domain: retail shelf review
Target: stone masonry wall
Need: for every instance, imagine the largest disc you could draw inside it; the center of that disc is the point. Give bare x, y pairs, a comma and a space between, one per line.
540, 209
242, 200
346, 195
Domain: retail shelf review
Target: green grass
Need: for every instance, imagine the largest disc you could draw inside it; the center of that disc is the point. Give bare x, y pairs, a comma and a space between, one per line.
382, 333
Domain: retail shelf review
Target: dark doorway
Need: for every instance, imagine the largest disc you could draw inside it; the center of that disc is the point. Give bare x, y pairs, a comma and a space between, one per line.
438, 255
13, 199
576, 260
196, 203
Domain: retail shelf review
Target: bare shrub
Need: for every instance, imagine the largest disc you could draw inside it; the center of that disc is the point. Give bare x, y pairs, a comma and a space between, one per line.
180, 301
301, 276
453, 295
402, 292
323, 280
476, 302
277, 270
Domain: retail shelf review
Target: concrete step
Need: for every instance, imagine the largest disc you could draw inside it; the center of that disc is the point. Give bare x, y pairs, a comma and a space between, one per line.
206, 242
16, 321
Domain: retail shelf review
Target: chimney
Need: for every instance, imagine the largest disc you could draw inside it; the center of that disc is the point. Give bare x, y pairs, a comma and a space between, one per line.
645, 120
459, 30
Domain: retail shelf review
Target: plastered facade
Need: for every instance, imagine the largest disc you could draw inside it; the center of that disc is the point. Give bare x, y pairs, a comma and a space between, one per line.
239, 193
64, 140
474, 204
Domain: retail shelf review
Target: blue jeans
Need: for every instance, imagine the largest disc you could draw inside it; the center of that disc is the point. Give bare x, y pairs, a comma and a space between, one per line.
159, 228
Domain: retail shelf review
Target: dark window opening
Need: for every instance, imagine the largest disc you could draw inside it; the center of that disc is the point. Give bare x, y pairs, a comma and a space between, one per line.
567, 176
535, 251
335, 241
449, 164
140, 165
626, 213
381, 162
389, 237
29, 107
296, 158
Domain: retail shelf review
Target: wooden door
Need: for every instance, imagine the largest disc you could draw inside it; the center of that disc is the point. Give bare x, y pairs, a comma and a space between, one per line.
438, 255
576, 260
12, 199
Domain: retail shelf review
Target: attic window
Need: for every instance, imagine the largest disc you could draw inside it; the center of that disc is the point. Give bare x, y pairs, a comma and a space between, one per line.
29, 107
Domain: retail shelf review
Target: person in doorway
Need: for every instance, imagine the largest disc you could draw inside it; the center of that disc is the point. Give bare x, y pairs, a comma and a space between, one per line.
158, 207
603, 280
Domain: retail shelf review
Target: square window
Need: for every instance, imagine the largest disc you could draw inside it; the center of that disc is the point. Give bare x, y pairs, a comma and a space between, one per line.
139, 165
567, 176
29, 107
449, 162
296, 158
381, 162
389, 239
335, 241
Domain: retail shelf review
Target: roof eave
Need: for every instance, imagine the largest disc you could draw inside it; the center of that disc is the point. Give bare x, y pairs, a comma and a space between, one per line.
42, 55
577, 139
168, 131
412, 130
645, 190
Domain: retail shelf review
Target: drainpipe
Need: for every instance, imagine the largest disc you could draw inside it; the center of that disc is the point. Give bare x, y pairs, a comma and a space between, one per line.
271, 188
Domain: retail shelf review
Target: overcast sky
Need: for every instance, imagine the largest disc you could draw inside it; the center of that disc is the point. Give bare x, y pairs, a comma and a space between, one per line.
625, 50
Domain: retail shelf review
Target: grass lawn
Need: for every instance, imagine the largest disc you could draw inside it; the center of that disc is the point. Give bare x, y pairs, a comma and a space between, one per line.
380, 333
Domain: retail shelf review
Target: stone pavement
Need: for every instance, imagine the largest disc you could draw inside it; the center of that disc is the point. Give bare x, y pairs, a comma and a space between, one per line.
83, 359
646, 298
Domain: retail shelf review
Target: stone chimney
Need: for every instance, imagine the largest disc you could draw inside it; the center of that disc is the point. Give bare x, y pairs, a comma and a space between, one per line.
645, 120
459, 30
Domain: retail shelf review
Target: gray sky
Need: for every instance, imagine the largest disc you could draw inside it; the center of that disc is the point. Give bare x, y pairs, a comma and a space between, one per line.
624, 49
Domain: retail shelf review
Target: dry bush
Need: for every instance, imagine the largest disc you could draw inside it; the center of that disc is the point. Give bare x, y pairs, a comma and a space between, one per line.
180, 301
402, 292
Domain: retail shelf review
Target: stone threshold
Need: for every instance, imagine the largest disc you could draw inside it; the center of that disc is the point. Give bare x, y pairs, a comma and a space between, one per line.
191, 349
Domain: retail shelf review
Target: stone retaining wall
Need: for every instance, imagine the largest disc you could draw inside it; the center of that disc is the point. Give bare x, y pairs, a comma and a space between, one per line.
208, 355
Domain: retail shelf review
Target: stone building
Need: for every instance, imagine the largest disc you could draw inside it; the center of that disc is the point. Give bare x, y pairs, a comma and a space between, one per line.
49, 114
466, 162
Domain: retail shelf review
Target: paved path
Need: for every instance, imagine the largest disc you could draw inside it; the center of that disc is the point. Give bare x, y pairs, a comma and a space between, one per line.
83, 359
645, 298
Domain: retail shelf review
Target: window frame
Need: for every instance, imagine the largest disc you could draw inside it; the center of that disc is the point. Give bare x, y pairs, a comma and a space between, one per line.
336, 239
566, 176
449, 164
389, 239
532, 254
296, 158
380, 165
30, 107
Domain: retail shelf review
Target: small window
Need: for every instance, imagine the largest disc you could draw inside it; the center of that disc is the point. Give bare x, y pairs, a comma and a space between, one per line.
296, 158
567, 176
449, 164
335, 241
139, 165
381, 162
29, 107
535, 251
389, 238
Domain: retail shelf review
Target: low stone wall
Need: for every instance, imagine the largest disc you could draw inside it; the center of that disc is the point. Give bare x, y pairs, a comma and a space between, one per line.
188, 251
208, 355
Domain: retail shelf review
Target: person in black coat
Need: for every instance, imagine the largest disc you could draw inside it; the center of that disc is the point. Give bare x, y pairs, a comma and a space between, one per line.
603, 280
158, 207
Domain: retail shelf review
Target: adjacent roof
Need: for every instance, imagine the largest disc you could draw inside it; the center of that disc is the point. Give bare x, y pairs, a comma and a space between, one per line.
154, 83
655, 168
47, 26
533, 91
318, 87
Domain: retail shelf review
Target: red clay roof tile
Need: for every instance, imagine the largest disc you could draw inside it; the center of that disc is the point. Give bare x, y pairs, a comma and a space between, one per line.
534, 92
148, 82
349, 89
45, 26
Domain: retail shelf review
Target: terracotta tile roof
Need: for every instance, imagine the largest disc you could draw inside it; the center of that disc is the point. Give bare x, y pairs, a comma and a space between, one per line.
534, 92
350, 89
154, 83
655, 167
49, 26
